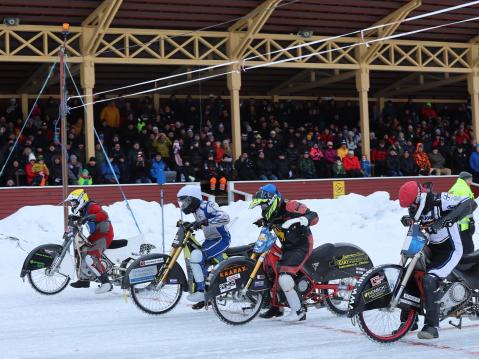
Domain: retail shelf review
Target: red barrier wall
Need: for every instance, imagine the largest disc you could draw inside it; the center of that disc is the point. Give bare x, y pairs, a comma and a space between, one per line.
12, 199
323, 188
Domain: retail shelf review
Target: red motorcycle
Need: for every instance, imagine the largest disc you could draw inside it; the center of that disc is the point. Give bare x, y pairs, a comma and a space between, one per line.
238, 286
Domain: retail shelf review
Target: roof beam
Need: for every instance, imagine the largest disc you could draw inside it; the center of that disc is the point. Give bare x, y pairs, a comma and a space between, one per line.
428, 86
34, 83
251, 24
323, 82
301, 76
396, 85
101, 20
395, 17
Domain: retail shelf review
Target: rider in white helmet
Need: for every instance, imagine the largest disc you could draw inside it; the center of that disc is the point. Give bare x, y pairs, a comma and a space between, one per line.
213, 221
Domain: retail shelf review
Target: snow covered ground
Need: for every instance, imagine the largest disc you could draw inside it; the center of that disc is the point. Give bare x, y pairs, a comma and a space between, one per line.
77, 323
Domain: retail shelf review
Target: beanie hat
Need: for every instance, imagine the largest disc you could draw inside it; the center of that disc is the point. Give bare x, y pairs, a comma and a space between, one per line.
31, 157
465, 175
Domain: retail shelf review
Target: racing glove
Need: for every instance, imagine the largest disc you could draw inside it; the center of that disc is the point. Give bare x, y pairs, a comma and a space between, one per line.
441, 223
302, 221
85, 219
199, 224
407, 221
260, 222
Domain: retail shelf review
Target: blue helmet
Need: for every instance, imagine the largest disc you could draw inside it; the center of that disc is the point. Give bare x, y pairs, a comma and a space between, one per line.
269, 198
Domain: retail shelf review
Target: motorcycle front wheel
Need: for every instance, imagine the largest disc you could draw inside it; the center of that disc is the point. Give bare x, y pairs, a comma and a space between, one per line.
152, 299
236, 308
47, 283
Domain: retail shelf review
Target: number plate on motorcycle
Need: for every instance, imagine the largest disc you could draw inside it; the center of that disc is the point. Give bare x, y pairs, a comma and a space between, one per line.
376, 292
140, 275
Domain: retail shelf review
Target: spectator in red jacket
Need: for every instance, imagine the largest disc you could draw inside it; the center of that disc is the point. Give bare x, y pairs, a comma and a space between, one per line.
428, 112
378, 157
29, 168
352, 166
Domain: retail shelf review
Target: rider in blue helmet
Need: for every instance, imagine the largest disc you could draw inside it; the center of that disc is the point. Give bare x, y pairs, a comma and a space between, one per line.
290, 221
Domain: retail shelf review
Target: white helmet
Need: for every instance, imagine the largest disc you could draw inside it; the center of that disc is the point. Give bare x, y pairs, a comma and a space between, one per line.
77, 199
189, 198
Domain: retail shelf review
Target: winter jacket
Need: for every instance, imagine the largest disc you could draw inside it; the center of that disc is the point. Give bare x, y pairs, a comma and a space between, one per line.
99, 224
106, 172
245, 169
74, 172
393, 163
157, 171
330, 155
408, 166
85, 181
306, 167
473, 161
366, 168
163, 148
111, 115
139, 170
264, 167
296, 237
30, 173
282, 168
461, 189
437, 160
460, 161
379, 154
315, 154
338, 169
342, 152
351, 163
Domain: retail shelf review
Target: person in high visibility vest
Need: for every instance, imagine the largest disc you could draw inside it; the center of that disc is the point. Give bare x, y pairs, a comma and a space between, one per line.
461, 188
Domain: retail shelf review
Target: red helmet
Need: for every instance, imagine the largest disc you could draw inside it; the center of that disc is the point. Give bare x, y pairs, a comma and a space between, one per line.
409, 194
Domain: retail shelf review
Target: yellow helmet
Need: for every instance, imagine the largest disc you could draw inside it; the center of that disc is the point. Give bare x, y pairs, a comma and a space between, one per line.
77, 199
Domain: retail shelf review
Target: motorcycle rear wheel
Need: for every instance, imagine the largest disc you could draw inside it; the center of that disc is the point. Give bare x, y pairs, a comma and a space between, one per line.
234, 308
47, 284
339, 304
152, 300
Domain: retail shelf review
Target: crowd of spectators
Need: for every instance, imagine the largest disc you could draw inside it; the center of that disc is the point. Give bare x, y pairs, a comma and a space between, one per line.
283, 140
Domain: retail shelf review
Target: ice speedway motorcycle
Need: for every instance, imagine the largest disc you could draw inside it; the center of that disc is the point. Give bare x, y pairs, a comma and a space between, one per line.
156, 281
387, 299
239, 285
43, 265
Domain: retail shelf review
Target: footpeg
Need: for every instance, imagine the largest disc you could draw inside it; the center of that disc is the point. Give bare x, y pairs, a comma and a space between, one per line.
458, 325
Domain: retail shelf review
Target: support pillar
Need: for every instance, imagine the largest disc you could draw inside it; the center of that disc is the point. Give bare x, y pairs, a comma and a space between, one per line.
473, 88
156, 102
24, 103
234, 86
381, 103
87, 79
362, 85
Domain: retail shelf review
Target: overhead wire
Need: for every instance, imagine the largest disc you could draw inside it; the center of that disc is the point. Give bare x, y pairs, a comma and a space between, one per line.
276, 62
293, 47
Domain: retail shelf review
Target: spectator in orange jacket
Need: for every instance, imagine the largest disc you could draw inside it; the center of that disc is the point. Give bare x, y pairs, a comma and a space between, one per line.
351, 165
111, 115
422, 160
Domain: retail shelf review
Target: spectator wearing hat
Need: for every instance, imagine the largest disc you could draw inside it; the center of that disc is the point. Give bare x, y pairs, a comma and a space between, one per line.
460, 160
366, 166
306, 166
330, 155
393, 164
428, 112
245, 168
264, 168
422, 160
378, 157
85, 178
407, 164
41, 172
109, 170
74, 170
140, 171
467, 227
28, 168
438, 163
351, 165
342, 150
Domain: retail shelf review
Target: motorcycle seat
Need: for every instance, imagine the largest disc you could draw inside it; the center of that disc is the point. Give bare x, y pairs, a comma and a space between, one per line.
237, 251
470, 258
118, 243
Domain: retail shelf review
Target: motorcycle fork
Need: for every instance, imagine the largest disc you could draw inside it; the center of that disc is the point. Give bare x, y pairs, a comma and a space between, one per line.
258, 264
410, 269
173, 257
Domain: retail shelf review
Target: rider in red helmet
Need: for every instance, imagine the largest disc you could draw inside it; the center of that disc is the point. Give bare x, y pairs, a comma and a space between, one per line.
439, 213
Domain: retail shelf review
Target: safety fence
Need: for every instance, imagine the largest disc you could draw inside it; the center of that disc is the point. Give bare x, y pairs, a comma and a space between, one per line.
12, 199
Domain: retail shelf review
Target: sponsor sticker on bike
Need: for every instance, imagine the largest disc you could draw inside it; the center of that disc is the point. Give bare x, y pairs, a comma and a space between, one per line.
376, 292
233, 270
411, 297
376, 280
233, 277
228, 285
151, 261
350, 260
140, 275
259, 283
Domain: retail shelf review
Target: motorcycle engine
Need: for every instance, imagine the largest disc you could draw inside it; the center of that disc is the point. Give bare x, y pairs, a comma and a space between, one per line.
303, 285
454, 295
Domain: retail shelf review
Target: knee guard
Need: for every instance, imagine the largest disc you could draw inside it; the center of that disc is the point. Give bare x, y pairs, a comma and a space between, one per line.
430, 283
196, 256
286, 282
91, 263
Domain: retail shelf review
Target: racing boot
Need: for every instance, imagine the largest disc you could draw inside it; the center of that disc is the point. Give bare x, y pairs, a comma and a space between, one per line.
431, 319
198, 305
80, 284
105, 285
196, 297
272, 312
295, 316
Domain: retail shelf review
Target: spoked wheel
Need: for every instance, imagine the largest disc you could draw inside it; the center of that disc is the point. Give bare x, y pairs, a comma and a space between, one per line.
152, 299
235, 308
386, 325
338, 302
46, 282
